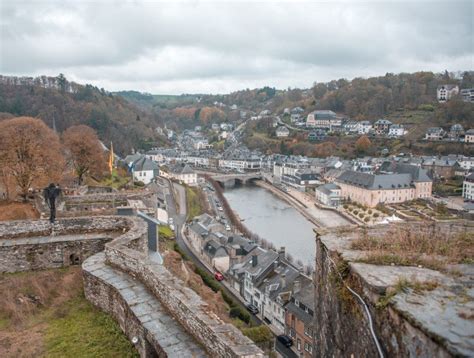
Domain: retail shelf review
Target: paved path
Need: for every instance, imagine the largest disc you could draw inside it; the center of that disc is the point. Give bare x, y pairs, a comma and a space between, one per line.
170, 335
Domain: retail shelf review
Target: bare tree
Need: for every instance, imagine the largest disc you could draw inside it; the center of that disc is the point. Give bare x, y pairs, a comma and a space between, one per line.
30, 152
84, 152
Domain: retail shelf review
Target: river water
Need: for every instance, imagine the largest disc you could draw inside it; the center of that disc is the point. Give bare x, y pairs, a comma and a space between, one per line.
274, 220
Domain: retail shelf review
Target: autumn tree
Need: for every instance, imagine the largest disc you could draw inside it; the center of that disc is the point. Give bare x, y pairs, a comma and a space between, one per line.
83, 151
363, 144
30, 153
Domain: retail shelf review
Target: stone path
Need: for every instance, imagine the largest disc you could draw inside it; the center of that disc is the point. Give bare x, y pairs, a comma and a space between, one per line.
170, 335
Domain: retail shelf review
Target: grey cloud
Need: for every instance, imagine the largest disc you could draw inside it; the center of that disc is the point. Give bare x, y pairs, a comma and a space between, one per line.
215, 46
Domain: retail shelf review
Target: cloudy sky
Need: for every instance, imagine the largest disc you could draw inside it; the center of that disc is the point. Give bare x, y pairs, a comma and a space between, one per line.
220, 46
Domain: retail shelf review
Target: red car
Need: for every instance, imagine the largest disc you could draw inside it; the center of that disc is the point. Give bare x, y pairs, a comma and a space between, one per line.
218, 276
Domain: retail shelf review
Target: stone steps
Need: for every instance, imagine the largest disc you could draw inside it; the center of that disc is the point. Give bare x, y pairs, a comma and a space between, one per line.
150, 320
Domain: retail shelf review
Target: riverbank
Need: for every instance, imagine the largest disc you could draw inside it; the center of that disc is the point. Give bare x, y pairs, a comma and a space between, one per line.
321, 218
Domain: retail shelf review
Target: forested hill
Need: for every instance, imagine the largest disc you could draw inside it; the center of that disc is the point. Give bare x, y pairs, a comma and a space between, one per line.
54, 99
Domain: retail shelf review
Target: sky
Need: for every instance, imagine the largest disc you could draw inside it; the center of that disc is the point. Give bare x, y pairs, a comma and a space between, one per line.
223, 46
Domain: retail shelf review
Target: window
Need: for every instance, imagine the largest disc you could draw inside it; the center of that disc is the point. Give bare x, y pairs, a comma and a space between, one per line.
298, 344
308, 331
308, 347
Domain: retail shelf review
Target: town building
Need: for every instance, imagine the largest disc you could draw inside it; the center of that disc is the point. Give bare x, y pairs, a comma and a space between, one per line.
282, 132
144, 170
445, 92
467, 95
299, 318
183, 173
328, 194
435, 133
364, 127
469, 136
301, 179
382, 126
396, 130
317, 135
468, 187
455, 132
403, 182
323, 119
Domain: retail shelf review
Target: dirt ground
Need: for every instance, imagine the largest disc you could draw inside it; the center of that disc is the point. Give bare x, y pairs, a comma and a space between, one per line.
24, 298
185, 271
17, 211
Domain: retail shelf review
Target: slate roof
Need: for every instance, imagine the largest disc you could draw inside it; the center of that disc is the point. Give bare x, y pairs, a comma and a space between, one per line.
279, 280
376, 182
326, 188
145, 164
213, 249
417, 173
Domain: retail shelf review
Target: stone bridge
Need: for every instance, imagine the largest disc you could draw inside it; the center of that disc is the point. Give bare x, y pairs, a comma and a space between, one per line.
230, 180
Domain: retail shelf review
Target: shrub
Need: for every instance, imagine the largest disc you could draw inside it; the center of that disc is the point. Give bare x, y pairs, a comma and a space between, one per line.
259, 334
240, 313
208, 279
361, 215
355, 212
367, 219
370, 211
345, 206
376, 215
181, 252
228, 299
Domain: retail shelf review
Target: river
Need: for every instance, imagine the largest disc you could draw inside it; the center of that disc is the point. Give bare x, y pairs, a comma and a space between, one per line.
274, 220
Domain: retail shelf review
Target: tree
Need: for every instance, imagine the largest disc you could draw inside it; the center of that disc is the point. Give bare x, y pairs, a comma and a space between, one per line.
363, 144
62, 82
30, 153
84, 152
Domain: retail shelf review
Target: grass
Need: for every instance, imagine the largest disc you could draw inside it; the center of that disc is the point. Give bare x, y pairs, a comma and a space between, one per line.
84, 331
194, 202
166, 232
425, 246
115, 181
404, 285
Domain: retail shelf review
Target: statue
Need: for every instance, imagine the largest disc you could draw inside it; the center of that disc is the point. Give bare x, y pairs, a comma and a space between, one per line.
50, 193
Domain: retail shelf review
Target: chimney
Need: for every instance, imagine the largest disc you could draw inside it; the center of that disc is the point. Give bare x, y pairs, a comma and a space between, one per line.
254, 260
296, 286
281, 253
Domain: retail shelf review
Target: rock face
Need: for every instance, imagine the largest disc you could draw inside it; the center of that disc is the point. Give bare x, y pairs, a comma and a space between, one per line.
434, 323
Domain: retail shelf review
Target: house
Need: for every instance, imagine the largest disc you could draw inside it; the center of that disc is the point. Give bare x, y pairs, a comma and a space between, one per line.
183, 173
364, 127
323, 119
317, 135
468, 187
469, 136
216, 255
295, 117
445, 92
250, 272
440, 167
282, 132
455, 132
351, 127
299, 318
215, 127
435, 133
276, 289
396, 130
286, 111
403, 182
467, 95
144, 170
328, 194
297, 110
382, 126
265, 113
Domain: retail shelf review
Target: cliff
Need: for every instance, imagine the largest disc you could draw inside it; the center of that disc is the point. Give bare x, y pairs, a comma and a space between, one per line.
414, 311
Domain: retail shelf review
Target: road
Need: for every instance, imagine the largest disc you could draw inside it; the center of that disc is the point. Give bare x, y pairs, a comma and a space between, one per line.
180, 220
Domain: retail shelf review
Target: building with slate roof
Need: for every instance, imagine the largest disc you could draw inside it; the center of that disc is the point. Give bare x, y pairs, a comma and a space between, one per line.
404, 182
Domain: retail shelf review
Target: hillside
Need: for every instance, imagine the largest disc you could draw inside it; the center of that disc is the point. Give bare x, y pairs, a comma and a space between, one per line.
62, 104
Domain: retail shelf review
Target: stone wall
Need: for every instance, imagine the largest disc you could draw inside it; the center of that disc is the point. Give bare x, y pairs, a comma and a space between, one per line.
341, 323
29, 245
219, 338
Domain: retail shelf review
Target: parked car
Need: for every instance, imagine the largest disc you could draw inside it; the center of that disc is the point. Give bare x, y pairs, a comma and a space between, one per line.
252, 308
218, 276
227, 227
285, 340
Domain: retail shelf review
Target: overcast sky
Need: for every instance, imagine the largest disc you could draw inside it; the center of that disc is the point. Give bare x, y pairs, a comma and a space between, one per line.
217, 47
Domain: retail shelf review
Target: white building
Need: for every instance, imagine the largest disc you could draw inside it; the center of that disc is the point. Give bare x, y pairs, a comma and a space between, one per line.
328, 194
469, 136
144, 170
445, 92
323, 119
184, 174
364, 127
396, 130
468, 187
282, 132
467, 95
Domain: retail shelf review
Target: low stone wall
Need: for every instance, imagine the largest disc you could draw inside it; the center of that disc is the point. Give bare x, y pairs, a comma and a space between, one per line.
219, 338
29, 245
